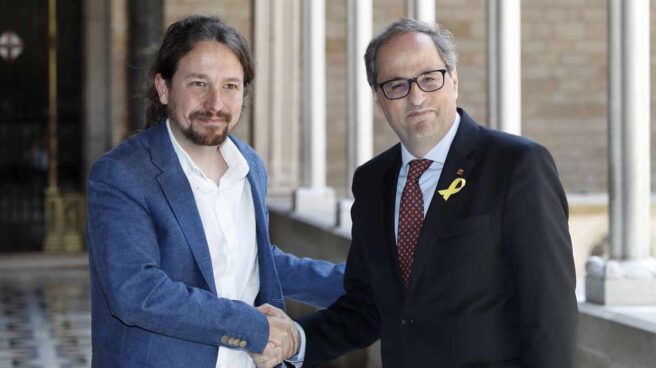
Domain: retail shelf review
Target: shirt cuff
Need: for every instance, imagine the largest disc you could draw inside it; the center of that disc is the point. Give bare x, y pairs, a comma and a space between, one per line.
297, 360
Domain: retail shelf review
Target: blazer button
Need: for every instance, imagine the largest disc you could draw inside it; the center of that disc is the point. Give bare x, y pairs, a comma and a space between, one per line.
407, 322
224, 340
242, 344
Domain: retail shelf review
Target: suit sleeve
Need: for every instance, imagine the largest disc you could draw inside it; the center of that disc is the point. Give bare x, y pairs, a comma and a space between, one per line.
125, 254
353, 322
307, 280
536, 231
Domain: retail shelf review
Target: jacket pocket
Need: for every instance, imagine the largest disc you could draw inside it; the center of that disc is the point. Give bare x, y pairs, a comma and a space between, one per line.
468, 225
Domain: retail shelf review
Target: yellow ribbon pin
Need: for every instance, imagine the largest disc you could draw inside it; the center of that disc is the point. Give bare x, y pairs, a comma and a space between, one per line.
454, 188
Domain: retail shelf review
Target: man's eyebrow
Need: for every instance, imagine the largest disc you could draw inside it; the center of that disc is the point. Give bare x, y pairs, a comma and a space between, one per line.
406, 78
204, 76
234, 79
196, 75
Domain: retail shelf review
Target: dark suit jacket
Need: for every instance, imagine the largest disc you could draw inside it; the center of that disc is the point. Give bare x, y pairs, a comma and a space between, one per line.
493, 279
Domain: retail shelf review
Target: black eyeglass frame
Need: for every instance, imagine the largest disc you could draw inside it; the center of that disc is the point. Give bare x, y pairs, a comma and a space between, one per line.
414, 80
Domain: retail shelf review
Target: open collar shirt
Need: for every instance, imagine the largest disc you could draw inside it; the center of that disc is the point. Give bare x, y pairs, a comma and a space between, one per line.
428, 181
227, 212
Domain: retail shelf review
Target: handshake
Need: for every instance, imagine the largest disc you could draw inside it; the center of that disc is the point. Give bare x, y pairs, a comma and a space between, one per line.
284, 338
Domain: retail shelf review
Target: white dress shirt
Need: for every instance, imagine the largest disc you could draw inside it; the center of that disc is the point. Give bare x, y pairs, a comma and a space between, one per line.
228, 217
428, 181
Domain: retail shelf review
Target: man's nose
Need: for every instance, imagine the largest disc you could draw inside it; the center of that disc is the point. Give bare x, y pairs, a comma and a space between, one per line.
416, 96
214, 100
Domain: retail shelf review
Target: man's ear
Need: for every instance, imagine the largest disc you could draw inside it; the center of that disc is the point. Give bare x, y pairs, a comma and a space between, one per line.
162, 89
454, 78
374, 93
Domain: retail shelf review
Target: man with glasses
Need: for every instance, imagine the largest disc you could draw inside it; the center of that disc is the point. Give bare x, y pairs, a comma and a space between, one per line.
460, 254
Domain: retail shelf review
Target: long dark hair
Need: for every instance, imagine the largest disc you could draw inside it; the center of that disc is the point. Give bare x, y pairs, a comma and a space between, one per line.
180, 38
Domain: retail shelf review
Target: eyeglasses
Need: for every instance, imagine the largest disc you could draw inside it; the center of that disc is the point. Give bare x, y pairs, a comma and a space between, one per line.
428, 82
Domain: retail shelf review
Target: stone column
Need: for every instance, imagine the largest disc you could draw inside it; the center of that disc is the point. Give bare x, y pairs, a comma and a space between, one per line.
276, 92
97, 114
105, 102
263, 47
504, 65
146, 18
635, 138
314, 201
615, 201
629, 276
423, 10
492, 68
360, 101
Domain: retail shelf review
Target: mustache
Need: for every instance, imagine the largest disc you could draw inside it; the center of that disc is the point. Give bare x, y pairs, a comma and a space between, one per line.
207, 115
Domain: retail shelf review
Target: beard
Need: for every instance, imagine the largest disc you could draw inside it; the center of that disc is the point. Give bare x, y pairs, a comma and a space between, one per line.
203, 135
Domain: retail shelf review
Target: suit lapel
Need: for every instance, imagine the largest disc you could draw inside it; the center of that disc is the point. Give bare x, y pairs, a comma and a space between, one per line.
177, 190
390, 179
270, 288
270, 291
440, 211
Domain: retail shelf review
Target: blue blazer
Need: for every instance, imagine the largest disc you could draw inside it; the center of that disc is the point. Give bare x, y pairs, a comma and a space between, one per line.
153, 297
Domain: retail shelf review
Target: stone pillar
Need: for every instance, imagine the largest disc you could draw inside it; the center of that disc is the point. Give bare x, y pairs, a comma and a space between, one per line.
118, 102
360, 101
314, 200
615, 201
635, 138
492, 68
146, 19
97, 114
423, 10
276, 91
629, 276
504, 65
105, 103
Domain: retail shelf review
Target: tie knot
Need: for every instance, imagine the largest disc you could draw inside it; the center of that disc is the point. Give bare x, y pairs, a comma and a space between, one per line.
418, 167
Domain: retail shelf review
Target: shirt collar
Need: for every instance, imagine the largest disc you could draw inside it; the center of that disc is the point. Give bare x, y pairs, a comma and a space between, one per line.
237, 164
437, 153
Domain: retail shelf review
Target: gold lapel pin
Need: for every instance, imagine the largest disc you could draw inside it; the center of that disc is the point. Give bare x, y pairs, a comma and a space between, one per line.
454, 188
460, 171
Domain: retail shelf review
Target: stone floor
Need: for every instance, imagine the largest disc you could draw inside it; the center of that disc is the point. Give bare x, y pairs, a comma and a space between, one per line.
44, 312
45, 318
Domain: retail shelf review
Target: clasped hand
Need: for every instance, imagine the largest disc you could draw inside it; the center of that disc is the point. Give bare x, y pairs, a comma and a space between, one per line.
284, 338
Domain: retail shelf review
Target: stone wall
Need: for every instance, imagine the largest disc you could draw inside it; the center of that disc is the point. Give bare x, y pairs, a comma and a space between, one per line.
564, 75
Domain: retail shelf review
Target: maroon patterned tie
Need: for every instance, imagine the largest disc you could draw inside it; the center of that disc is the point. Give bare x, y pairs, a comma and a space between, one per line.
411, 217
